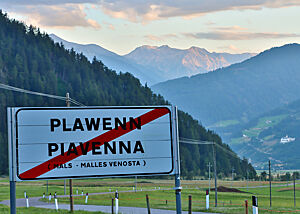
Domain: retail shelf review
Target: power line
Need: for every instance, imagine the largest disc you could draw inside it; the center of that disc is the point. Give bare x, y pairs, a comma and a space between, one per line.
197, 142
215, 145
193, 141
12, 88
228, 152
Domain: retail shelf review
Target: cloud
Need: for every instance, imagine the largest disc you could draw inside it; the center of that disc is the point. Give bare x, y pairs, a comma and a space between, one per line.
229, 35
145, 11
44, 2
59, 15
109, 25
210, 23
153, 38
230, 28
230, 48
237, 33
132, 10
160, 38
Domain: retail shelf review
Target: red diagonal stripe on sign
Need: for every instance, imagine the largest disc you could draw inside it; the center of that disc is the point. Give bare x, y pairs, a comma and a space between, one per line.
105, 137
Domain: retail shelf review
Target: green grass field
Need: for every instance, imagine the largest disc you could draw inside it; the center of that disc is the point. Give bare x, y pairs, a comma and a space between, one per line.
263, 124
227, 202
32, 210
253, 132
226, 123
282, 197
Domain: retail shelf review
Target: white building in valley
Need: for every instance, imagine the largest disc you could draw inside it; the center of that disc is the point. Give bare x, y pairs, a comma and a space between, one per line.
287, 139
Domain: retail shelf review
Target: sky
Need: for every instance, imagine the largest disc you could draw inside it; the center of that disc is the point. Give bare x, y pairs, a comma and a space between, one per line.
233, 26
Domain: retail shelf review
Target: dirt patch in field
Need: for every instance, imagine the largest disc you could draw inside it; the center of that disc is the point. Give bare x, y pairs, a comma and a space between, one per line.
227, 189
287, 189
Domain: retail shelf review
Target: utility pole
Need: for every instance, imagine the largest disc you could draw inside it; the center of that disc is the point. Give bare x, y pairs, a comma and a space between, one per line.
270, 183
214, 146
209, 165
232, 176
294, 190
135, 183
215, 169
70, 181
247, 179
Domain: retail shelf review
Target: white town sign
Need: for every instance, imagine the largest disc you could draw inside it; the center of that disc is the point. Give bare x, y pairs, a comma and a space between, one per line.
53, 143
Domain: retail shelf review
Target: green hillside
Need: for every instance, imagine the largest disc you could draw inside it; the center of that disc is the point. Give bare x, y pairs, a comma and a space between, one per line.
29, 59
238, 93
260, 139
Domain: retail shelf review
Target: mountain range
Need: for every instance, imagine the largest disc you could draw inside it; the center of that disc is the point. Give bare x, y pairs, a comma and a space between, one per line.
236, 101
154, 64
240, 92
111, 60
175, 63
227, 99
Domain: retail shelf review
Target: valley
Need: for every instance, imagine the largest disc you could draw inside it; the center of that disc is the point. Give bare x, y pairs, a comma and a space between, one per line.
239, 102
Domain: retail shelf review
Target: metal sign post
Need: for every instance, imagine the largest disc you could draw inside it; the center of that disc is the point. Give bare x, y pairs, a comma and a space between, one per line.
177, 161
12, 161
70, 181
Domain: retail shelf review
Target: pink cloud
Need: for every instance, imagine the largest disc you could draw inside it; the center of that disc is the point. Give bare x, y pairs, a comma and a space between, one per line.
134, 10
145, 11
60, 15
227, 35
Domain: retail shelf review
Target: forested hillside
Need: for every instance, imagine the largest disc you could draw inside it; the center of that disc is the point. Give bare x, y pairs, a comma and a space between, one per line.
240, 92
263, 138
113, 60
29, 59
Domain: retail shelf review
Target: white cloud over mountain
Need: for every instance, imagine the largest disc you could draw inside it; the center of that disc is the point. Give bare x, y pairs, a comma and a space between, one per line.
226, 35
144, 11
68, 13
52, 13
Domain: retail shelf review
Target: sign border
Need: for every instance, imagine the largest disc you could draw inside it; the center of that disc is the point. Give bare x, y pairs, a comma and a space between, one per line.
170, 112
